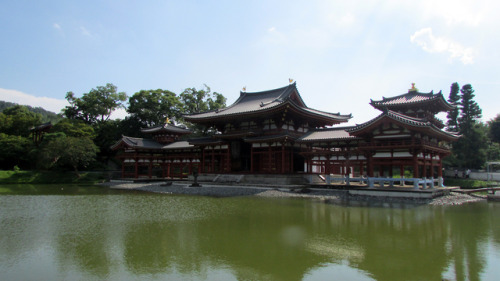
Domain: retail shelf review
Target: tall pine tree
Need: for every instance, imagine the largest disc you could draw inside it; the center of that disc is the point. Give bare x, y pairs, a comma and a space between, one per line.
470, 110
454, 98
470, 149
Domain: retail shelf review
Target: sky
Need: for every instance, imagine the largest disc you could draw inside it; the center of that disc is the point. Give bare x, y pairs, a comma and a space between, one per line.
340, 53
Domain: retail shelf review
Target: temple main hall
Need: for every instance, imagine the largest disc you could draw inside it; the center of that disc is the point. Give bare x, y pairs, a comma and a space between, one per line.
274, 132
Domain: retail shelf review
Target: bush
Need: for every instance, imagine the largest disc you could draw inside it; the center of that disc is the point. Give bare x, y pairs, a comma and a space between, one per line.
469, 183
48, 177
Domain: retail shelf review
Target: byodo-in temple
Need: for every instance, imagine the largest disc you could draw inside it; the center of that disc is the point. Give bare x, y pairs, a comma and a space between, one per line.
274, 132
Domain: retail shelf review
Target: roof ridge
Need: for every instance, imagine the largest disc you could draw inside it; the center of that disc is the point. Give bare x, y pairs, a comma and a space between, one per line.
271, 90
413, 93
338, 113
332, 128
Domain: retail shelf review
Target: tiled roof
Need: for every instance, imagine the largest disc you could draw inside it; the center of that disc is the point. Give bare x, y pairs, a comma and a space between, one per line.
178, 145
141, 143
327, 134
252, 103
137, 143
412, 98
167, 128
404, 119
42, 127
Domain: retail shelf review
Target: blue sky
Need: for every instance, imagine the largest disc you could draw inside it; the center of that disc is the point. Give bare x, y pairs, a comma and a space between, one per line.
340, 53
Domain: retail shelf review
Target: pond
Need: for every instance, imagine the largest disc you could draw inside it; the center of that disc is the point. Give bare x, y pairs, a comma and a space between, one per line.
92, 233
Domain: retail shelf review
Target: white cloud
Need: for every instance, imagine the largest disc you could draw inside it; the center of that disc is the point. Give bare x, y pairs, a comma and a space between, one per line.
57, 26
347, 19
119, 114
85, 31
432, 44
461, 12
50, 104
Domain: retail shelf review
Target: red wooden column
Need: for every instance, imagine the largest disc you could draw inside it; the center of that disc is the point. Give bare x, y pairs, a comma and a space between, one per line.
212, 161
327, 164
228, 158
415, 164
291, 158
440, 166
150, 167
123, 167
251, 158
424, 167
136, 172
308, 161
203, 159
282, 157
269, 162
370, 164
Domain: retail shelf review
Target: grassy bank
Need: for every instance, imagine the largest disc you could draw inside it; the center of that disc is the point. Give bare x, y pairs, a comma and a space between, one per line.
469, 183
49, 177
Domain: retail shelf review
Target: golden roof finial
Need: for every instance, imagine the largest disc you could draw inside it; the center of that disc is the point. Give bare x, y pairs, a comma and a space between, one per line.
245, 89
167, 120
413, 89
290, 80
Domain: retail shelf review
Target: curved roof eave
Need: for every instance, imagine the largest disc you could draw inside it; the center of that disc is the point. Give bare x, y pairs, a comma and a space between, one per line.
329, 134
412, 98
166, 128
263, 102
312, 113
404, 120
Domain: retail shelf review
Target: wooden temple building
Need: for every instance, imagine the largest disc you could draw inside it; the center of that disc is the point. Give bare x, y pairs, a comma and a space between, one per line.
274, 132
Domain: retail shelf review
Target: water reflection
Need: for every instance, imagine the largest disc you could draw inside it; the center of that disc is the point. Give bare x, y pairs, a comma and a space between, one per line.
127, 237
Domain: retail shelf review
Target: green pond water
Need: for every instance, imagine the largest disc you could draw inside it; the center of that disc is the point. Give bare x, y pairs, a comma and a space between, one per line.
89, 233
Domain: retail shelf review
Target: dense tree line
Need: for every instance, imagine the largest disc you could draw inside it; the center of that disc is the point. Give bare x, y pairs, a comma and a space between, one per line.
477, 143
83, 133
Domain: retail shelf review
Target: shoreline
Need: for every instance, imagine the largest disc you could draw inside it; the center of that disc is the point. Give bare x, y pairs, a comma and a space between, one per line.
340, 197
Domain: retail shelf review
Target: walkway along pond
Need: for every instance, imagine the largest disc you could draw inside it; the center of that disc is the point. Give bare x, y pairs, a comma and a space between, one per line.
290, 191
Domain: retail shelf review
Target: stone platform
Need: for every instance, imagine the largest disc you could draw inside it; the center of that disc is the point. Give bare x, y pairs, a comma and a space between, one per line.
252, 179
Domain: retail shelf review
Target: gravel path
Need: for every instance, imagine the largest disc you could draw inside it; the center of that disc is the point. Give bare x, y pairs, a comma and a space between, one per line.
317, 194
456, 199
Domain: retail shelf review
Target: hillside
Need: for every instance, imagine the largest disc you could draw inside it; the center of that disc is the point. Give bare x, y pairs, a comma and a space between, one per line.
47, 116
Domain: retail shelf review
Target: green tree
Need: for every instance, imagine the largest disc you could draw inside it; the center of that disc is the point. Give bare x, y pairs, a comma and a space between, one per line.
14, 151
74, 128
470, 151
95, 106
47, 116
107, 134
130, 126
470, 112
18, 121
494, 129
195, 101
153, 107
63, 152
454, 98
